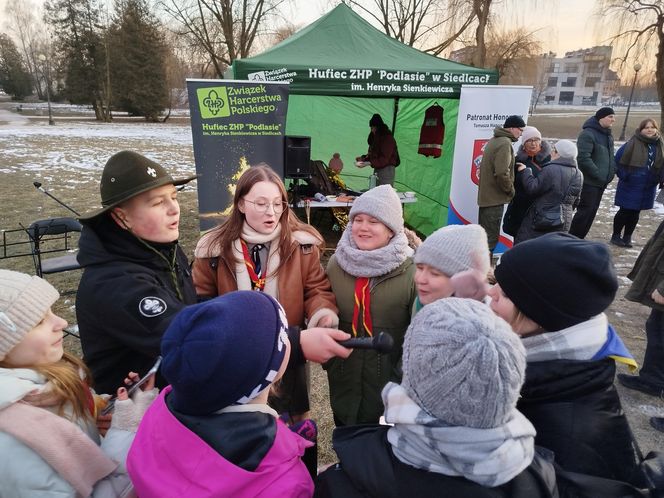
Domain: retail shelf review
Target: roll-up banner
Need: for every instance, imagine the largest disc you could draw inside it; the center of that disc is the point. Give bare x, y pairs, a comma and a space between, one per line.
234, 124
481, 110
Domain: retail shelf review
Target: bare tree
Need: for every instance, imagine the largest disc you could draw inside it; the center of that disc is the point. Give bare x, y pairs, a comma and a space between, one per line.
639, 25
22, 22
226, 29
413, 22
512, 51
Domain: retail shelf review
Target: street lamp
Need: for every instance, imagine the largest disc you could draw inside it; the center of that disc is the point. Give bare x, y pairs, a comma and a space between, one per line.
43, 58
637, 68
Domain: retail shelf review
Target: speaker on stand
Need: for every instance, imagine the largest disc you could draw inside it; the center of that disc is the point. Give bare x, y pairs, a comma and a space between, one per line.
297, 162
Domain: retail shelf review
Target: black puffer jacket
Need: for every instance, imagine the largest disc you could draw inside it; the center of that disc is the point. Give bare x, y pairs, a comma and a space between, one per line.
127, 297
368, 468
576, 411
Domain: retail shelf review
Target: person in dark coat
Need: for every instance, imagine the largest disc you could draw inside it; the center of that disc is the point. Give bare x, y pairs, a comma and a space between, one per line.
648, 289
639, 172
456, 431
534, 153
383, 153
553, 290
136, 277
596, 162
559, 184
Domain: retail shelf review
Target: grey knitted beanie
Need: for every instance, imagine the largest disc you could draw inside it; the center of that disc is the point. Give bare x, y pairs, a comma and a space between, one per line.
381, 203
463, 364
24, 301
455, 248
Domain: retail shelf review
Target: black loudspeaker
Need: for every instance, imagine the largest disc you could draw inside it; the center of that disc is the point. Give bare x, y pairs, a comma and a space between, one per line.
297, 157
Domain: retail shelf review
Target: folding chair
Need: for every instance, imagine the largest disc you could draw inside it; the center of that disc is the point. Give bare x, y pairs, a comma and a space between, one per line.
54, 235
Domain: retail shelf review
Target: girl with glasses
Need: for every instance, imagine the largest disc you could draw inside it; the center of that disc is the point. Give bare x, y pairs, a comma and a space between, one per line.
263, 246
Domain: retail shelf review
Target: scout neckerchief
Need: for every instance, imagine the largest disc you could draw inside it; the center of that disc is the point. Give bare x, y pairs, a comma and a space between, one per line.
362, 298
253, 264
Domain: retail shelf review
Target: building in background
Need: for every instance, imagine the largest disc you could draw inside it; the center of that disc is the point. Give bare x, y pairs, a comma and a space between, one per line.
582, 77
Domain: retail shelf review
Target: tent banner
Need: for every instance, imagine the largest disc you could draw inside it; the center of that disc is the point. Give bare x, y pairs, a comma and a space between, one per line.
481, 110
361, 82
234, 124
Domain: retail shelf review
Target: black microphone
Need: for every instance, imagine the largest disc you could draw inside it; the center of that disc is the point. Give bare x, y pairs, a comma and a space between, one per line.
38, 186
383, 343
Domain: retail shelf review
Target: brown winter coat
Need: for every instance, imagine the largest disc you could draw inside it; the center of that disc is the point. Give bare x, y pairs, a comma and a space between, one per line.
303, 288
497, 170
648, 272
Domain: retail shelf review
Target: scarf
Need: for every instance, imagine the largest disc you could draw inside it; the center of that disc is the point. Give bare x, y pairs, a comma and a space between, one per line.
376, 263
636, 151
489, 457
242, 272
593, 339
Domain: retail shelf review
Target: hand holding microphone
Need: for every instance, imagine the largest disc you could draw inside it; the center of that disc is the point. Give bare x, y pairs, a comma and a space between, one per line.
383, 343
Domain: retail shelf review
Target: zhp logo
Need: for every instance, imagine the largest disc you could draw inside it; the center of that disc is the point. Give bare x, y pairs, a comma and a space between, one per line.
213, 102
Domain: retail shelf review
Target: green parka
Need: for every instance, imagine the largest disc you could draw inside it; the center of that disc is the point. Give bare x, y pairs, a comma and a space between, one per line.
496, 185
356, 382
595, 154
648, 272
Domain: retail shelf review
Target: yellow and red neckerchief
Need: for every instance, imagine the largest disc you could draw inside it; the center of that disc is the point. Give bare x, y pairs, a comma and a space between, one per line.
257, 283
362, 298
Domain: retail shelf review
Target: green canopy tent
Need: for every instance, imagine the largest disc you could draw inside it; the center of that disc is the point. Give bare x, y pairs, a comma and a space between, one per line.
341, 71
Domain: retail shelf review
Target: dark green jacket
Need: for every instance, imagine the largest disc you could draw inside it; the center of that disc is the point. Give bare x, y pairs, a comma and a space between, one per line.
595, 154
497, 170
356, 382
648, 272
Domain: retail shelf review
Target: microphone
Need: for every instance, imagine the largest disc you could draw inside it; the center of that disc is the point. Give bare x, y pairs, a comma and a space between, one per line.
38, 186
383, 343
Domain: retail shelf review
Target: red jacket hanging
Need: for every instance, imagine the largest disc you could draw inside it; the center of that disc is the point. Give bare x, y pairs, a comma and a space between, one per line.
432, 132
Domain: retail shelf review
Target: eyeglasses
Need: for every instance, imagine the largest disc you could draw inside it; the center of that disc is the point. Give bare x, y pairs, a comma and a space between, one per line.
262, 205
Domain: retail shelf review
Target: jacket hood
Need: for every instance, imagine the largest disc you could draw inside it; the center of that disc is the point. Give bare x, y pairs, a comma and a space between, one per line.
502, 132
103, 241
540, 157
593, 124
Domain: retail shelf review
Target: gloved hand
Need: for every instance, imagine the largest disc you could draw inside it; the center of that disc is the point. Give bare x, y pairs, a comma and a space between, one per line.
128, 412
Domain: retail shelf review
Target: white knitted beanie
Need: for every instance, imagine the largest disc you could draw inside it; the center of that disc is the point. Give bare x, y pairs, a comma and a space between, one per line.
455, 248
24, 301
463, 364
566, 149
530, 132
382, 203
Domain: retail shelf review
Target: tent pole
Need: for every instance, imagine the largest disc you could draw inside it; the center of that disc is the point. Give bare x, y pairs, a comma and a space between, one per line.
394, 115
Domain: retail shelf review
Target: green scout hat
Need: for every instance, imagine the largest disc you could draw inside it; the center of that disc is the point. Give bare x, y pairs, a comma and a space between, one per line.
127, 174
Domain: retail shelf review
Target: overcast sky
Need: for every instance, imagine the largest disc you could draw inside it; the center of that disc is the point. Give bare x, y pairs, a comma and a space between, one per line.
564, 24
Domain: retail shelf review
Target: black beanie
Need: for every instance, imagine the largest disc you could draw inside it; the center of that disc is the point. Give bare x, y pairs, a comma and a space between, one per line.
603, 112
376, 120
514, 122
558, 280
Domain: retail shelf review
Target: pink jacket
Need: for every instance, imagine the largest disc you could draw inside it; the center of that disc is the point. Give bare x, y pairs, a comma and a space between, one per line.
168, 460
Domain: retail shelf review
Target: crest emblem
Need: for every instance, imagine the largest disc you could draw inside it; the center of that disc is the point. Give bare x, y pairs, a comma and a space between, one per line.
152, 306
151, 171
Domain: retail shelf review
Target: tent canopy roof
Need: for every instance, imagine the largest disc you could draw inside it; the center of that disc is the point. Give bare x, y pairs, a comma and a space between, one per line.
342, 54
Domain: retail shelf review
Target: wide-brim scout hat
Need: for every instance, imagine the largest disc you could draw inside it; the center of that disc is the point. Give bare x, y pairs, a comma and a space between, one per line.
127, 174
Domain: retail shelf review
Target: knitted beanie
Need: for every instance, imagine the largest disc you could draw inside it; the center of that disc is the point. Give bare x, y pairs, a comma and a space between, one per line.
514, 122
223, 351
603, 112
558, 280
455, 248
530, 132
463, 364
566, 149
24, 301
336, 164
376, 120
382, 203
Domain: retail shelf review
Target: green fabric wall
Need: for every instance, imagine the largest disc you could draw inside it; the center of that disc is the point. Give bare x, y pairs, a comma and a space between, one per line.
341, 124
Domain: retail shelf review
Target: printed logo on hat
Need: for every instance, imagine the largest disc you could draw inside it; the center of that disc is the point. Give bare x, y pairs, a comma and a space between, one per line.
152, 306
213, 102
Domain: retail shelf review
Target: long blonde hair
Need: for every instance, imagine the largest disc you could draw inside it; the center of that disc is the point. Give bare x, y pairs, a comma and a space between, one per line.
231, 229
70, 384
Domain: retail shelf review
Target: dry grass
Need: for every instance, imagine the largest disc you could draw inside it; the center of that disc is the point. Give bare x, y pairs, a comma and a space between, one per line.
73, 177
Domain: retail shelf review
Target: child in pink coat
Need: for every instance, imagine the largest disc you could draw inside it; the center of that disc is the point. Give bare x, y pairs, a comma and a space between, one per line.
211, 432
